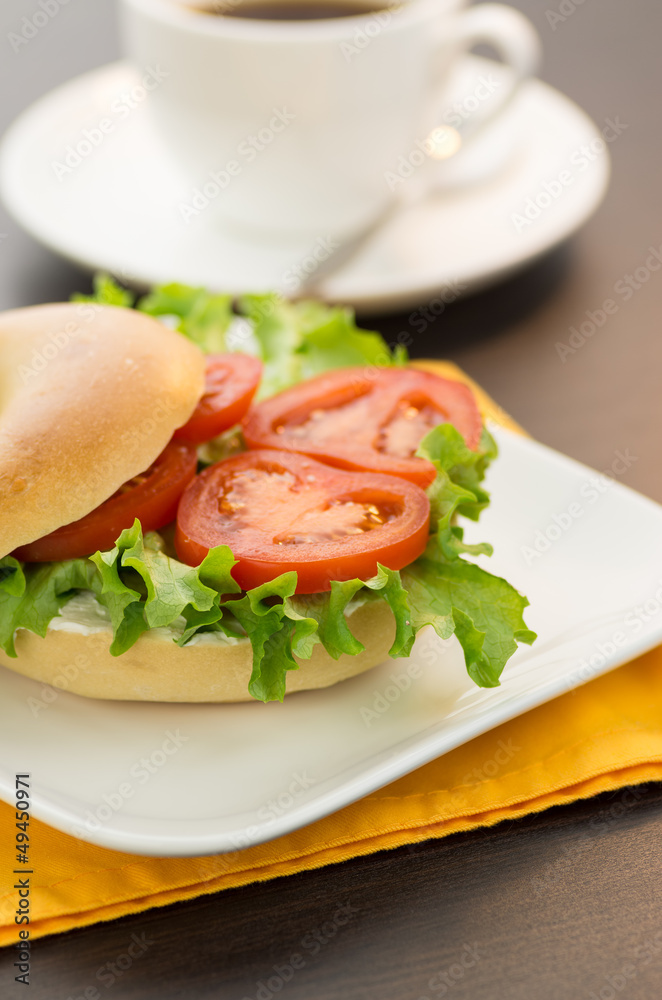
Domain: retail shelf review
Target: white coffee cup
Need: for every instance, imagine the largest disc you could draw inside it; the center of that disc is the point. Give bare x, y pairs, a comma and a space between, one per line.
296, 124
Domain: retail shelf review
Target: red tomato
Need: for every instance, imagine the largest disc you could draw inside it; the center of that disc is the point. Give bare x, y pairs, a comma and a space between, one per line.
230, 385
358, 418
280, 511
151, 496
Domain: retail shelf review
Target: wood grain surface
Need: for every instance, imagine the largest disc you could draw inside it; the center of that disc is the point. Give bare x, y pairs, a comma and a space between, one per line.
566, 904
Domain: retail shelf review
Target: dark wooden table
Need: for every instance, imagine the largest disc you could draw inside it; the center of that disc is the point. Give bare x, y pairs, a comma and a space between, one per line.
418, 910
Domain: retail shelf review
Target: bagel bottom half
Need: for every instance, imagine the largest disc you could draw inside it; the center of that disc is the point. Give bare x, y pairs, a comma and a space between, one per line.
156, 669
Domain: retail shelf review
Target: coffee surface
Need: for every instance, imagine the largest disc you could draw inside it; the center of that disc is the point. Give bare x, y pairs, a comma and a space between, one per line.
291, 10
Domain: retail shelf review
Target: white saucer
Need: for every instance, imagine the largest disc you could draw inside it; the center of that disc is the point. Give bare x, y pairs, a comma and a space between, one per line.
119, 208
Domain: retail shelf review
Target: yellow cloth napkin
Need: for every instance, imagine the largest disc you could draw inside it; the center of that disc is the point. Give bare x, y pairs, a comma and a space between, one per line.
605, 735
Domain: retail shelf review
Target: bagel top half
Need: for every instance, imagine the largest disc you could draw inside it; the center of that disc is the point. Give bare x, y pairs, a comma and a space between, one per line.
89, 397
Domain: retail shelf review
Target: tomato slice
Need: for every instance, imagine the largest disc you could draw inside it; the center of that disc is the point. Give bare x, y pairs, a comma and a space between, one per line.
151, 496
281, 511
358, 418
230, 384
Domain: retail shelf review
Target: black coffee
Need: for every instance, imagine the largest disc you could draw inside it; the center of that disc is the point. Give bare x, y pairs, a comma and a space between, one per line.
291, 10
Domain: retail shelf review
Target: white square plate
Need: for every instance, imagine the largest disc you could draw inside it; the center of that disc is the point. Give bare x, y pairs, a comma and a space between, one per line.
242, 774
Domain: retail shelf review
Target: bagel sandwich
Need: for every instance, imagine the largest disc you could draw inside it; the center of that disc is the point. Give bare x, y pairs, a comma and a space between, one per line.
165, 537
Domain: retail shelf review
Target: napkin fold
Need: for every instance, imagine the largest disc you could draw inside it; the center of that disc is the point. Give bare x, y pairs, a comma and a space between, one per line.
603, 736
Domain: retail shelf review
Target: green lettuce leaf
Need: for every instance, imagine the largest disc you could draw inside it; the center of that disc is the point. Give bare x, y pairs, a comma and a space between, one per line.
457, 489
483, 611
124, 604
107, 293
203, 318
455, 596
329, 612
261, 612
30, 598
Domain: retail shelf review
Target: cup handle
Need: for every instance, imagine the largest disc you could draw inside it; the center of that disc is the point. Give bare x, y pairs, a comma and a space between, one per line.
516, 41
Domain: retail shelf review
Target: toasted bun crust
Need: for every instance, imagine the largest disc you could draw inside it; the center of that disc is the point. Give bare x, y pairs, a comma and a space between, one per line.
89, 396
155, 669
